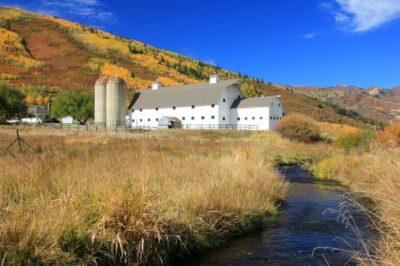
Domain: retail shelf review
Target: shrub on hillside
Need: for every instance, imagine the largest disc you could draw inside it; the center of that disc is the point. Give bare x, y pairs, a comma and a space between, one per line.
391, 135
299, 127
356, 140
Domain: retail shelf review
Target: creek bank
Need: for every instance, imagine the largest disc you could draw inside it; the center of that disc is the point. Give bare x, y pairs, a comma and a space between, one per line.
306, 232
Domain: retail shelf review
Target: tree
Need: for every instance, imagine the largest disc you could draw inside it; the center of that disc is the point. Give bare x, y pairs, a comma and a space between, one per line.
249, 90
12, 103
77, 104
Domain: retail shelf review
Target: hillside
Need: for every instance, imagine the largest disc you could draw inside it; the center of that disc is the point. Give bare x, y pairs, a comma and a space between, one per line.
43, 55
370, 102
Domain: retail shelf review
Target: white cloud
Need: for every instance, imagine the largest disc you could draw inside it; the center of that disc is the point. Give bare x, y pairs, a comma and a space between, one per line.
91, 9
364, 15
309, 36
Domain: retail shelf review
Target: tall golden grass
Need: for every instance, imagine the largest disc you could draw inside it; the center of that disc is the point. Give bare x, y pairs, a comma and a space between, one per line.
374, 174
86, 199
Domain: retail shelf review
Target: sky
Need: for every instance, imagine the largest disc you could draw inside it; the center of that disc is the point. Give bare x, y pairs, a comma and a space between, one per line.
293, 42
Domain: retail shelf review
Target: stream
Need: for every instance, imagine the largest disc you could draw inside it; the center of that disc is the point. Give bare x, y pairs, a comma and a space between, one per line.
308, 232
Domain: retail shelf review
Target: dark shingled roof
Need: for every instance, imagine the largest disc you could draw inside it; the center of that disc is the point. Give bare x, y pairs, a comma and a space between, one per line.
197, 94
253, 102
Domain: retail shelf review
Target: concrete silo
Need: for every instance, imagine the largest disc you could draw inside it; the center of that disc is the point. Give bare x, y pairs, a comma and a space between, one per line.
100, 101
115, 102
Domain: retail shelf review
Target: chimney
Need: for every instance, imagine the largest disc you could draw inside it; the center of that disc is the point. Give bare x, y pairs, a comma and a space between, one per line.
156, 85
214, 79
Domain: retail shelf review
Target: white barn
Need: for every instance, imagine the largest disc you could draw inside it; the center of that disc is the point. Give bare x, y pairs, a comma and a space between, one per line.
213, 105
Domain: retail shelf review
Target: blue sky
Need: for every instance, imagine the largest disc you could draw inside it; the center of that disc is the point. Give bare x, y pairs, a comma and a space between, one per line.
295, 42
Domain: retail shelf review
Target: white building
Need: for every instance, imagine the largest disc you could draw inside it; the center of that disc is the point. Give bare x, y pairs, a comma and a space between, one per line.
217, 104
67, 120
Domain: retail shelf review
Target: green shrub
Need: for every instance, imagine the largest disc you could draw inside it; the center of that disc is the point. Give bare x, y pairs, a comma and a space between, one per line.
360, 140
299, 127
11, 103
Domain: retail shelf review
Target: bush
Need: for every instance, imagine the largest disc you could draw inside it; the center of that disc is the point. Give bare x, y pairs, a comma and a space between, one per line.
359, 140
11, 103
299, 127
391, 135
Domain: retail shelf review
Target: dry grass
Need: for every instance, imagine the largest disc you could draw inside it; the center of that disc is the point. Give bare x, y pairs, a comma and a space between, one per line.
111, 199
376, 175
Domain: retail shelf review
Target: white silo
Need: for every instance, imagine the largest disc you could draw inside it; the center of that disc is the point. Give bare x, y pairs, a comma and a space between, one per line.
100, 101
115, 102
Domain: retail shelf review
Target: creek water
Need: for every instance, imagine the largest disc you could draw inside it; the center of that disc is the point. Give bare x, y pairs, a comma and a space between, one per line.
308, 232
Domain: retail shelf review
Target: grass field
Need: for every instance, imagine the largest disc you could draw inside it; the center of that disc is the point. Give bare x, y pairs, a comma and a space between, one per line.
136, 198
155, 197
376, 175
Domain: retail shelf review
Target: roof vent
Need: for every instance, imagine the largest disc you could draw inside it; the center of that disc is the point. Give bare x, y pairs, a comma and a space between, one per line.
156, 85
214, 79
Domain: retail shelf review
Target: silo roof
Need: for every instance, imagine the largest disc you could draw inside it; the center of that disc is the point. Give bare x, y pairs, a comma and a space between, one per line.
102, 81
196, 94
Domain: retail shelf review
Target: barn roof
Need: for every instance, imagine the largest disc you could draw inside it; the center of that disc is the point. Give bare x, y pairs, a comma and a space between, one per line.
253, 102
197, 94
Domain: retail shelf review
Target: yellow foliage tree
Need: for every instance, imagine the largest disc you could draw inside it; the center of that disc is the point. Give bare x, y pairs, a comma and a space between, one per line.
13, 52
29, 100
132, 82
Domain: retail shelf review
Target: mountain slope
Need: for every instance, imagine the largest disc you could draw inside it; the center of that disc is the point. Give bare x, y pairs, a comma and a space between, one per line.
372, 103
46, 54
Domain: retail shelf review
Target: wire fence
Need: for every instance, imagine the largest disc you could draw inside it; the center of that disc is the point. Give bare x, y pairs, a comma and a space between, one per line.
139, 129
98, 128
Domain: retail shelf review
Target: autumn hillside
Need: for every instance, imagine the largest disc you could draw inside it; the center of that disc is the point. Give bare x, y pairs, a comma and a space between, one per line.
373, 103
44, 54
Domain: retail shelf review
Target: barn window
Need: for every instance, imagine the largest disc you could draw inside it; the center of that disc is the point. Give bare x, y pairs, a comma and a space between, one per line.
141, 110
141, 120
173, 108
270, 117
253, 118
156, 108
133, 120
148, 119
183, 118
238, 119
245, 118
261, 117
192, 117
202, 118
224, 100
192, 106
212, 105
223, 118
157, 119
212, 117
